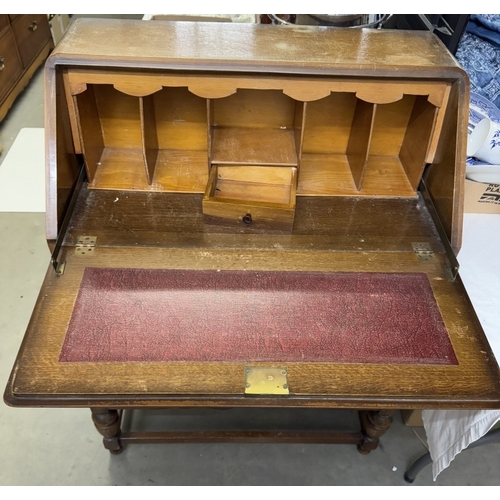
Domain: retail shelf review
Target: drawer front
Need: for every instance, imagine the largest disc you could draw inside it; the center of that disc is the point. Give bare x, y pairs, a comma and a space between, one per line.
31, 32
255, 197
10, 64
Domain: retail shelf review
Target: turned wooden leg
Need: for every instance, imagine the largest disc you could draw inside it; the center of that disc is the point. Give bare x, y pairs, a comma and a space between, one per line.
374, 424
107, 422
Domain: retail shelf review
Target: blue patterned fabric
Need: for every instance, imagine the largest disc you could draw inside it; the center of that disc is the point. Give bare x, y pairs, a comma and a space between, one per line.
479, 54
485, 26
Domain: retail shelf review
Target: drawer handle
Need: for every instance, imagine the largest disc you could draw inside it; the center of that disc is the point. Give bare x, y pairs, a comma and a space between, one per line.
2, 65
247, 219
33, 26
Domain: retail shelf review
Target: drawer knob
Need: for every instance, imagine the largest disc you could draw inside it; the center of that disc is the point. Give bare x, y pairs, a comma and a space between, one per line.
2, 65
33, 26
247, 219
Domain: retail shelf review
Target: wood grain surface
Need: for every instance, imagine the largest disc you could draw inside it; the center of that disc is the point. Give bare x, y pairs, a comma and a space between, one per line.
220, 63
39, 374
368, 245
148, 117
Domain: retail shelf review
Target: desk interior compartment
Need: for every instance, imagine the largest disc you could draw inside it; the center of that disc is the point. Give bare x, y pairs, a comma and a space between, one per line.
109, 127
255, 127
175, 140
254, 154
155, 142
354, 147
357, 138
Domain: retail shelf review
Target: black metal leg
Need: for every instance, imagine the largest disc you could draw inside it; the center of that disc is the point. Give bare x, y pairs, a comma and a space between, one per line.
416, 467
411, 473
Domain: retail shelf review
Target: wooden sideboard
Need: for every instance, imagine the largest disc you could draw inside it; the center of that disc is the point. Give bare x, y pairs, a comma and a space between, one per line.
253, 216
25, 43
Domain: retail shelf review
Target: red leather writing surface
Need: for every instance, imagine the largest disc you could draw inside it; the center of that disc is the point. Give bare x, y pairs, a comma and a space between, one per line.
244, 316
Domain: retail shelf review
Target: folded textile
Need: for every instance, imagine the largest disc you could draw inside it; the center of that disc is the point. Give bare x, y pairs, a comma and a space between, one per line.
485, 26
451, 431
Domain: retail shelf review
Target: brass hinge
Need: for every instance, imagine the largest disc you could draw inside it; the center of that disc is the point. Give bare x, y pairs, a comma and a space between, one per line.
85, 245
423, 251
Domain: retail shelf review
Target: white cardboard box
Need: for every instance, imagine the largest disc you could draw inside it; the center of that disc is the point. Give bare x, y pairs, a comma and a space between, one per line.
58, 25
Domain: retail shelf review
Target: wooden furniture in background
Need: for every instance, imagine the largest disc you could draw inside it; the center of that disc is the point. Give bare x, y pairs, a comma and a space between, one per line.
252, 148
25, 43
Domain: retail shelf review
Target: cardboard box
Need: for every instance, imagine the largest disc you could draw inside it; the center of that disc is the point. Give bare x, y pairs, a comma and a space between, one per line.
482, 198
58, 24
412, 418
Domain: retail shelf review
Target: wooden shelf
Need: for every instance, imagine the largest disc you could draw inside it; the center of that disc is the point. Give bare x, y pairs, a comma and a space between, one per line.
120, 168
385, 177
181, 171
174, 172
330, 175
254, 146
325, 175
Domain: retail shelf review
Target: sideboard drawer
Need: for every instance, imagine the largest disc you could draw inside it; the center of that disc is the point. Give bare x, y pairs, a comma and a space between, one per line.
4, 21
30, 31
10, 64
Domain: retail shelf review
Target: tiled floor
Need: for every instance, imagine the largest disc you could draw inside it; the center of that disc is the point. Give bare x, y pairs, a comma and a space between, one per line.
61, 447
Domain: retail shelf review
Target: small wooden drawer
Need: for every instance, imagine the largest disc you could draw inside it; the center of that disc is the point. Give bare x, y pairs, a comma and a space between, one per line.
254, 196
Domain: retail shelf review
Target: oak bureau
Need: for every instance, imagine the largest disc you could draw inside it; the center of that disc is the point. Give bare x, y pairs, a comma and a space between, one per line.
253, 216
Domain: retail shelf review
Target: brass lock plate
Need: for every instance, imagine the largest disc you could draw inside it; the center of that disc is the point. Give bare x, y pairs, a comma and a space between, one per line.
266, 380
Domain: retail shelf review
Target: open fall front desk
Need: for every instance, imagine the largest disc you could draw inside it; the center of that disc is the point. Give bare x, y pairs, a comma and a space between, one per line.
266, 217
